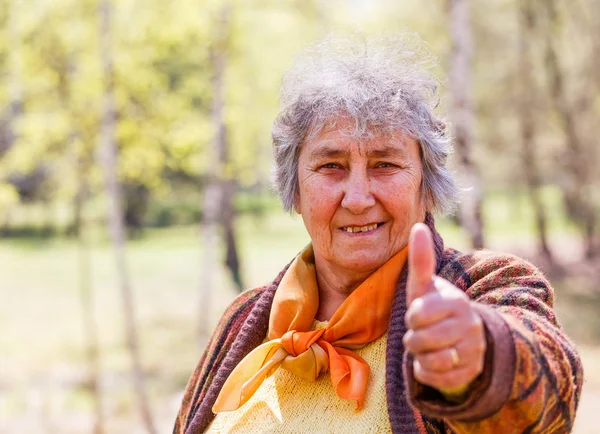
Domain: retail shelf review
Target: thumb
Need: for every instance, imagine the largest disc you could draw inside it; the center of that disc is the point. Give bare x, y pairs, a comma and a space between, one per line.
421, 263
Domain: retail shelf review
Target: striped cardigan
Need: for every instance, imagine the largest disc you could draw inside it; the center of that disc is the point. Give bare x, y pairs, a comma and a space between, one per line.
532, 377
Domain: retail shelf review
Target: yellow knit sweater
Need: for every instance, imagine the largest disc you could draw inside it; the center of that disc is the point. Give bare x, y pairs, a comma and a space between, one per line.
285, 403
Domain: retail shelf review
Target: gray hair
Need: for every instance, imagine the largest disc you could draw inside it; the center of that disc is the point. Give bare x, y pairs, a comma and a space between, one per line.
382, 85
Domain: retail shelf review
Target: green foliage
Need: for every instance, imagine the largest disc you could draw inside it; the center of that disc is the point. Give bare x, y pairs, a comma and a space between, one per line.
50, 66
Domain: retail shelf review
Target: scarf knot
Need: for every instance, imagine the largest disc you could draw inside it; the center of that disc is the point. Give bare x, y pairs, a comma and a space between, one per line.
296, 343
363, 317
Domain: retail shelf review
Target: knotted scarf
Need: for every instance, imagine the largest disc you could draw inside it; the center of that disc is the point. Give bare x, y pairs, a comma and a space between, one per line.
361, 318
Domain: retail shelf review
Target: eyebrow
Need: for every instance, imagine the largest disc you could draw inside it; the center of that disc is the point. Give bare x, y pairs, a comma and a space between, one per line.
332, 152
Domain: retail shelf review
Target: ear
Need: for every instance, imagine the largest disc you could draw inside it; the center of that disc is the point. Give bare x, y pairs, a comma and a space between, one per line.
297, 207
424, 202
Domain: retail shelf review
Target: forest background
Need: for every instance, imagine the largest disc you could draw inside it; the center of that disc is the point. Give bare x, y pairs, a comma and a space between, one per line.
135, 196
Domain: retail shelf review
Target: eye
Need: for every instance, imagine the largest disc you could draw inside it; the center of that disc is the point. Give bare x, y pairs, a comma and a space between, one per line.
384, 165
331, 166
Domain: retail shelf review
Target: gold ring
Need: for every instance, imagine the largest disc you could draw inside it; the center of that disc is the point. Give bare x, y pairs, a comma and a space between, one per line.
454, 355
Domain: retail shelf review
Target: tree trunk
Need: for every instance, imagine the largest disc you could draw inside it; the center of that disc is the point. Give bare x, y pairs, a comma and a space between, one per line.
219, 191
527, 119
212, 198
116, 223
225, 177
87, 302
79, 230
228, 216
136, 205
577, 186
462, 119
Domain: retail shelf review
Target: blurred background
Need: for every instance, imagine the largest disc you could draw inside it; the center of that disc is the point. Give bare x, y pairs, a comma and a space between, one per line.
135, 198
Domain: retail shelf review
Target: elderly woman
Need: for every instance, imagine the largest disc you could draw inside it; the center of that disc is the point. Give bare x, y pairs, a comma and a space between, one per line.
376, 326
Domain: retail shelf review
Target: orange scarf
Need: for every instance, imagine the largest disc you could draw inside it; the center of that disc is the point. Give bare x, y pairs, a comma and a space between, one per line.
361, 318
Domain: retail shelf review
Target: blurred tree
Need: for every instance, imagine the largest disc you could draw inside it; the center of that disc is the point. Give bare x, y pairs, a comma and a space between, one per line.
462, 117
576, 176
116, 223
12, 59
15, 63
90, 325
213, 190
136, 197
82, 162
527, 107
224, 167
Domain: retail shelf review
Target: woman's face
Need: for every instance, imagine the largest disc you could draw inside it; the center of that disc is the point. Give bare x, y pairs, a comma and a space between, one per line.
359, 199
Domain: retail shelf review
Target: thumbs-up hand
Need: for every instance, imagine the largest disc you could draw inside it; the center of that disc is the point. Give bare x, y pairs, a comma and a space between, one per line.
445, 334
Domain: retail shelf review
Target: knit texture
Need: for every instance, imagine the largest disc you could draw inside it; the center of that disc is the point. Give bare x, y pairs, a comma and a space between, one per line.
289, 404
362, 317
532, 376
242, 328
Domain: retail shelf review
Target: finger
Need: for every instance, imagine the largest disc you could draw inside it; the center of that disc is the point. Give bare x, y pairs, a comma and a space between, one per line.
421, 263
447, 301
453, 379
438, 361
442, 360
440, 335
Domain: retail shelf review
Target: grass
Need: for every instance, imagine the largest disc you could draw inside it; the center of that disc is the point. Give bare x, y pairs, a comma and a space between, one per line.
42, 343
43, 367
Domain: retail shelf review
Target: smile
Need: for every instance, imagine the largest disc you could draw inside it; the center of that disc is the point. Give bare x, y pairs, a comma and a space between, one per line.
366, 228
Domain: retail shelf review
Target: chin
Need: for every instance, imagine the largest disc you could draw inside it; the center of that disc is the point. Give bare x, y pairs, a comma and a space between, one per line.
363, 263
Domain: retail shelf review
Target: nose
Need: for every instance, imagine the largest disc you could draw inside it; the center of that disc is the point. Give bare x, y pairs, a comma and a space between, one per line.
357, 194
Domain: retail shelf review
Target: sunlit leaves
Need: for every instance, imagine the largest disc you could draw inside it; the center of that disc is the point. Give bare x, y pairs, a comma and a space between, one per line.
163, 74
8, 195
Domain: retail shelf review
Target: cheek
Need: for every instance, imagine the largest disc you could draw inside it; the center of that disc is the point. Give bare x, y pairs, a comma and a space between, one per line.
404, 199
318, 204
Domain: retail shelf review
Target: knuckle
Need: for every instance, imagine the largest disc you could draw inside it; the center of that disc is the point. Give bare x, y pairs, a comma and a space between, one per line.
413, 318
407, 338
415, 343
408, 318
430, 361
422, 360
436, 362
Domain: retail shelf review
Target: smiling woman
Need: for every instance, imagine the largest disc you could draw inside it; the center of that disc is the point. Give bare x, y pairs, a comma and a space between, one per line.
415, 337
346, 185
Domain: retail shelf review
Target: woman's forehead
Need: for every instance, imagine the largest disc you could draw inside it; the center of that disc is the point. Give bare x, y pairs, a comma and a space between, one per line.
340, 141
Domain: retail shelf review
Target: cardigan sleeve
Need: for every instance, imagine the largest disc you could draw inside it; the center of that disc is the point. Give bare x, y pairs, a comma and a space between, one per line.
216, 349
533, 374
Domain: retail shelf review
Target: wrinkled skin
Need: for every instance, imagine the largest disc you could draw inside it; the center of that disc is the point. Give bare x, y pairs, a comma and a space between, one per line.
376, 184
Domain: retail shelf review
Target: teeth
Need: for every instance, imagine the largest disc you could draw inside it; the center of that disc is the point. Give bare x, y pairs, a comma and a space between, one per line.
366, 228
